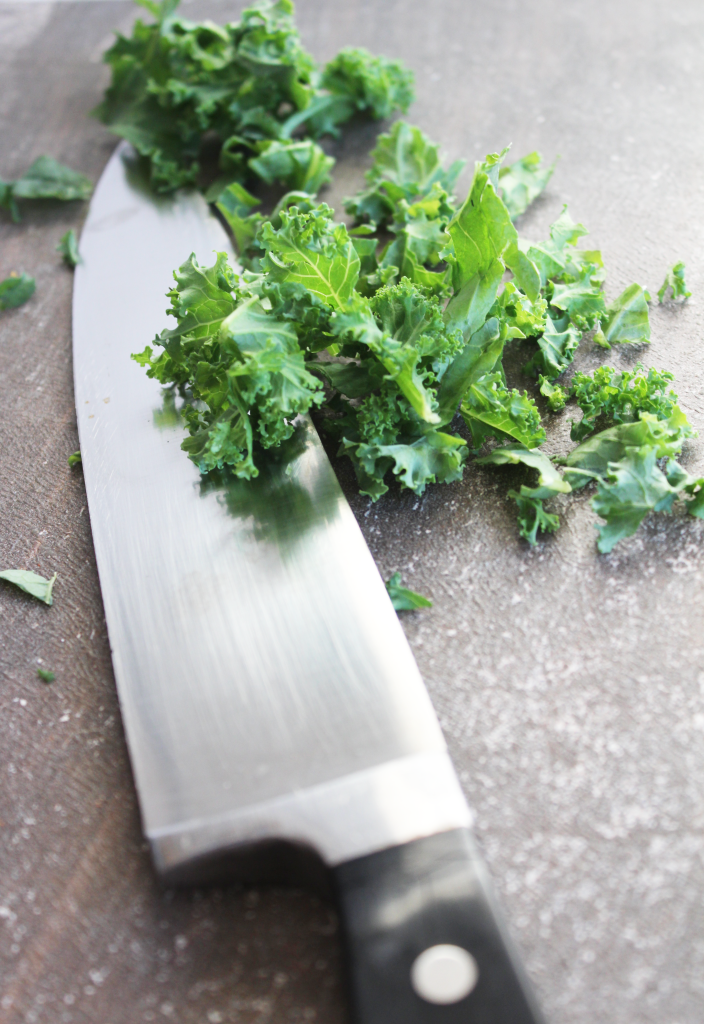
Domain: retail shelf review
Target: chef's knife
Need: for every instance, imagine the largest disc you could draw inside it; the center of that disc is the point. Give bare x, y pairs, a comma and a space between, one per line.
267, 689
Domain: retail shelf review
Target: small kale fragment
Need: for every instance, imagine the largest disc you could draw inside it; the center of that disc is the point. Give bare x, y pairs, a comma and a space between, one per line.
31, 583
68, 247
402, 599
532, 517
75, 459
45, 179
15, 290
555, 395
674, 283
46, 675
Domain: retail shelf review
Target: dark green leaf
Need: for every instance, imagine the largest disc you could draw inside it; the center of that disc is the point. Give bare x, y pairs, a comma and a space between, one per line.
46, 675
48, 179
633, 487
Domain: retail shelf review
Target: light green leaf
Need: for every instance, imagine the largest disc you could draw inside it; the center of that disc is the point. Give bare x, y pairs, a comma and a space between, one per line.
674, 283
522, 182
627, 319
478, 357
553, 392
550, 481
75, 459
556, 348
303, 166
489, 409
31, 583
309, 248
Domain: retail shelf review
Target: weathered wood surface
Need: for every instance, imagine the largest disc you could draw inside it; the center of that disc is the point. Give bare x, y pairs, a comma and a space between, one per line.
570, 686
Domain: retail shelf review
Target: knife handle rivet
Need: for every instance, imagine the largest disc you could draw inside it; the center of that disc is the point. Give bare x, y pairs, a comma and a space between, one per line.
444, 974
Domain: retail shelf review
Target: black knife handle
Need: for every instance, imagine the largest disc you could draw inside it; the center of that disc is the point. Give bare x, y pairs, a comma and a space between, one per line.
400, 902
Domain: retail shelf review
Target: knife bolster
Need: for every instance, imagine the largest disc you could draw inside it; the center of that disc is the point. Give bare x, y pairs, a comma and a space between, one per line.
433, 897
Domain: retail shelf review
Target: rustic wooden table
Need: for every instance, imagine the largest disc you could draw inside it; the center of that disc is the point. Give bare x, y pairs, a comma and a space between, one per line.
570, 685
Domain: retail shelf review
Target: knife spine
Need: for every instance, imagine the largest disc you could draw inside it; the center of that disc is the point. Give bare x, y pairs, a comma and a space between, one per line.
353, 816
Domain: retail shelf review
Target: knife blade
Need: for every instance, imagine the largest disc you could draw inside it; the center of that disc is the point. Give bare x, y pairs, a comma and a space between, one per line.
267, 689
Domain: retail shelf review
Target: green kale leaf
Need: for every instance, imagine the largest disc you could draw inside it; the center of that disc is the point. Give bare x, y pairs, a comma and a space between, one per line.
406, 165
45, 179
68, 247
15, 290
377, 84
590, 460
621, 396
555, 395
310, 249
31, 583
674, 283
556, 348
532, 517
405, 600
627, 320
522, 182
490, 410
74, 460
46, 675
632, 487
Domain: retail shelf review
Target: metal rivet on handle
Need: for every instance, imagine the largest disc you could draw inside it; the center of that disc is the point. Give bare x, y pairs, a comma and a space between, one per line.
444, 974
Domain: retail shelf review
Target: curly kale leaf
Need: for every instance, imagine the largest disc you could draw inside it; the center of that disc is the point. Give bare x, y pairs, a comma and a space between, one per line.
558, 255
556, 348
522, 182
433, 457
403, 599
302, 166
590, 460
310, 249
377, 84
235, 204
532, 517
402, 361
626, 320
406, 165
176, 81
556, 396
674, 283
15, 290
632, 487
581, 297
621, 396
490, 410
240, 365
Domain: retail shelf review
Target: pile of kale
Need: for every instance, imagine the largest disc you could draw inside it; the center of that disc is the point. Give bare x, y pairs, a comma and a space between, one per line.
394, 326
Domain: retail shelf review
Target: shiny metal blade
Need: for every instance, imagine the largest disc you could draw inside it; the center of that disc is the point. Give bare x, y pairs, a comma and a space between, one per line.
267, 688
